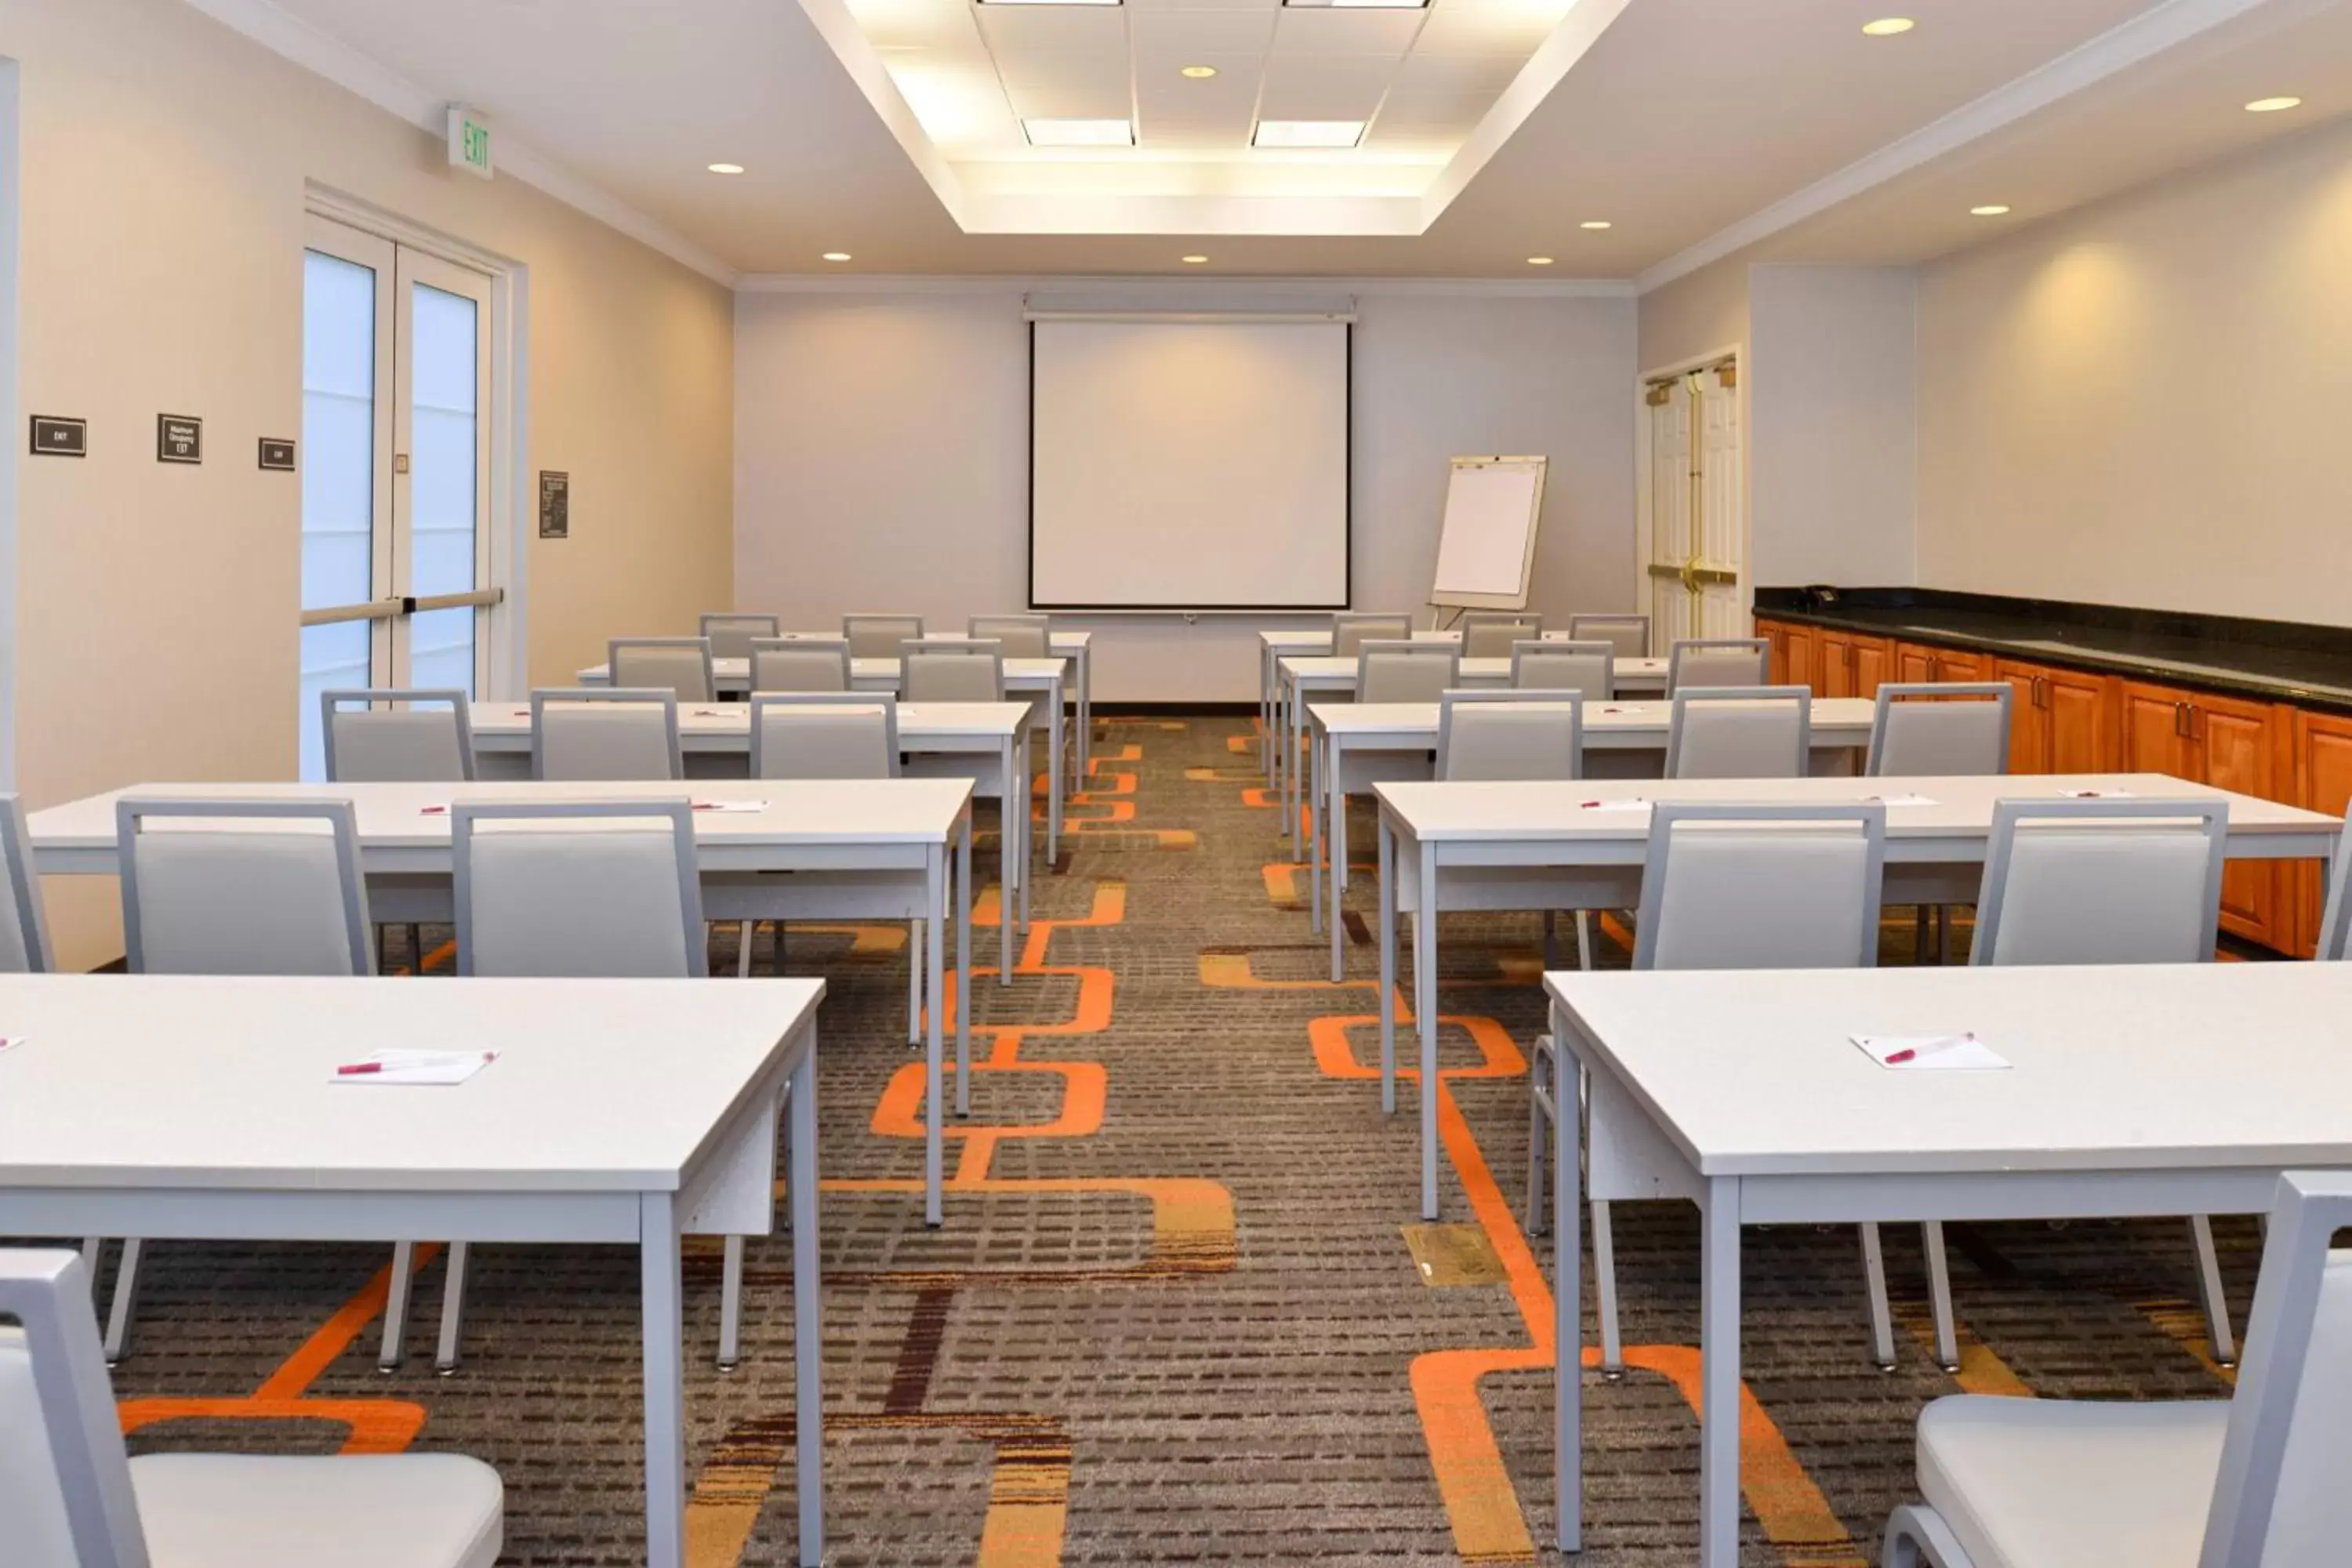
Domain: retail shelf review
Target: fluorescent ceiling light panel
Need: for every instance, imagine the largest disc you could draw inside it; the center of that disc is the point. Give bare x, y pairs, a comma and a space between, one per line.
1307, 134
1078, 133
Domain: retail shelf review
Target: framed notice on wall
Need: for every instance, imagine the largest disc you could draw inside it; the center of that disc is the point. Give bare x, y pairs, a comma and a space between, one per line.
555, 504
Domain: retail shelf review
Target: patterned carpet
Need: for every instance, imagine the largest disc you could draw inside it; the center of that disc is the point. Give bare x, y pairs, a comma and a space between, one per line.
1172, 1316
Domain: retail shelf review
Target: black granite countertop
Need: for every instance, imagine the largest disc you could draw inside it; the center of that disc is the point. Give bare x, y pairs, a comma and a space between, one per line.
2267, 660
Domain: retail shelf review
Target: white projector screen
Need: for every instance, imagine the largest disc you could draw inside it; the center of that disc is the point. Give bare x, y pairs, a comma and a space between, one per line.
1188, 464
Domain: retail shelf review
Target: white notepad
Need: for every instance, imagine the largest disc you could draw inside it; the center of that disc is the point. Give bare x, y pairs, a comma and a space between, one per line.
731, 806
414, 1068
1897, 800
10, 1042
1931, 1053
2095, 794
1636, 804
1624, 707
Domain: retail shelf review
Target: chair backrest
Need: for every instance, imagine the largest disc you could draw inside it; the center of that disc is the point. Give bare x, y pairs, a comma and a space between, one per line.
64, 1475
824, 735
241, 887
578, 890
1350, 629
1587, 669
604, 734
2101, 882
730, 632
679, 665
383, 735
1506, 735
1718, 661
2279, 1496
2336, 919
879, 636
1489, 634
1967, 734
1761, 887
799, 664
23, 929
1406, 671
952, 669
1740, 733
1023, 637
1627, 635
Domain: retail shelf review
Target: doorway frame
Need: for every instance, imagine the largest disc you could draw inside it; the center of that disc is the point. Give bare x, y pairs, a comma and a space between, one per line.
1643, 478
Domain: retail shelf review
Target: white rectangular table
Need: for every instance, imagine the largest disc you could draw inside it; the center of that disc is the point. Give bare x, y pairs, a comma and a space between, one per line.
2152, 1090
914, 827
1355, 745
630, 1111
1040, 679
1544, 845
716, 743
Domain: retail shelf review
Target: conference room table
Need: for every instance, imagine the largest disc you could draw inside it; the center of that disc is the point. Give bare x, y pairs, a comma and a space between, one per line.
1038, 679
617, 1112
1355, 745
1302, 676
1580, 846
985, 741
2163, 1091
760, 833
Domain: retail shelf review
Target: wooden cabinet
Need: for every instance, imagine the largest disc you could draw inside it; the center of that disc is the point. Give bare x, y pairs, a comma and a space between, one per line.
2029, 721
1914, 662
1776, 643
1804, 657
2322, 781
1917, 662
2061, 721
2153, 722
2229, 743
1852, 664
1873, 660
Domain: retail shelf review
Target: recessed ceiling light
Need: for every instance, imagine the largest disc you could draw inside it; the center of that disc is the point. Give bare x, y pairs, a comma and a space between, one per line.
1194, 260
1595, 223
836, 255
1307, 134
1888, 26
1198, 73
725, 168
1078, 133
1539, 261
1991, 209
2273, 105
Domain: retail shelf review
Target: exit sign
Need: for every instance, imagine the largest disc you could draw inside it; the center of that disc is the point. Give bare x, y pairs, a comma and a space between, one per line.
470, 140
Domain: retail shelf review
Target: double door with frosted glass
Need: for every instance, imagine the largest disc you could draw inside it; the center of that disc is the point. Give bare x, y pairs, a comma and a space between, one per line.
396, 590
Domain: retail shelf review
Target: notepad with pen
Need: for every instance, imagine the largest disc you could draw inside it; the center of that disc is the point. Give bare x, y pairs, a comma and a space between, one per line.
388, 1067
1931, 1053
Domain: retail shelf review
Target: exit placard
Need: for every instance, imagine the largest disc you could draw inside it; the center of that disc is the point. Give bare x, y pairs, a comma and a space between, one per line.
470, 140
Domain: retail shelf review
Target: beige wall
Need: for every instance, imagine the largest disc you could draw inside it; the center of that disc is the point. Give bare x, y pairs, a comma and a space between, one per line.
2143, 402
882, 454
1698, 314
165, 167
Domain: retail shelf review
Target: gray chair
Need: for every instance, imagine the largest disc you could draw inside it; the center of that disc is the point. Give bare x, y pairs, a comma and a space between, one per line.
1490, 634
1406, 671
70, 1494
1927, 730
1740, 733
1023, 637
1736, 887
1627, 635
388, 735
952, 669
1587, 669
1717, 662
1350, 629
799, 664
1490, 734
570, 890
23, 929
233, 886
679, 665
2335, 918
604, 734
730, 632
2256, 1478
2104, 883
879, 636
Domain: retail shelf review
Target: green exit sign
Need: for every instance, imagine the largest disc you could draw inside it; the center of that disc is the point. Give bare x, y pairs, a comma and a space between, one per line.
470, 140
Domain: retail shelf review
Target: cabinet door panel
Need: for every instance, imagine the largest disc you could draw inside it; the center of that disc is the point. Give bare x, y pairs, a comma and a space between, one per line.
2237, 747
2029, 722
1775, 637
1914, 663
1833, 672
2153, 737
1804, 657
2079, 723
1874, 659
2322, 769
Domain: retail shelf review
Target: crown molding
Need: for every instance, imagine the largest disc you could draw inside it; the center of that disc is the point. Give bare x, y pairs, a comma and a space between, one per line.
324, 56
2119, 49
1014, 284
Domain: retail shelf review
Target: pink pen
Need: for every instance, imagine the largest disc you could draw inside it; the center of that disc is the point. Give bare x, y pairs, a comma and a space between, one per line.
355, 1069
1912, 1053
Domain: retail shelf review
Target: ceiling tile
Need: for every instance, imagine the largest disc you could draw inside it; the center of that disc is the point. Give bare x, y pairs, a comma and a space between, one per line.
1422, 112
1488, 74
1196, 35
1072, 99
1141, 6
1309, 88
1071, 29
1053, 67
1327, 32
1495, 31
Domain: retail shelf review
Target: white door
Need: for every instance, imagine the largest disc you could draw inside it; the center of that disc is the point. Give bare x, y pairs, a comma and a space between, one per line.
1698, 537
396, 471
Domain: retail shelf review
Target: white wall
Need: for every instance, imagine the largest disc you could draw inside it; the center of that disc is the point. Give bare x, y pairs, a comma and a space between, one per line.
1833, 424
2144, 402
165, 162
882, 450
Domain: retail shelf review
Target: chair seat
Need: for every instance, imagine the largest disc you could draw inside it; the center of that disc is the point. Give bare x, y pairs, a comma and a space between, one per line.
2048, 1483
394, 1510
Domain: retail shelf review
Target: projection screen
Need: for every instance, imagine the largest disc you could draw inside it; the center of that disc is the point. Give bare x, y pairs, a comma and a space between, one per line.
1191, 464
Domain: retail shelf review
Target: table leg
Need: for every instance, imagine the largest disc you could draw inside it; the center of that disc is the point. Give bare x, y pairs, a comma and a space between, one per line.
1265, 711
1568, 1284
934, 1100
1388, 968
961, 891
1316, 773
1291, 780
1334, 845
1054, 787
1016, 804
1424, 1008
1086, 746
1719, 1435
808, 1317
663, 1312
1014, 860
